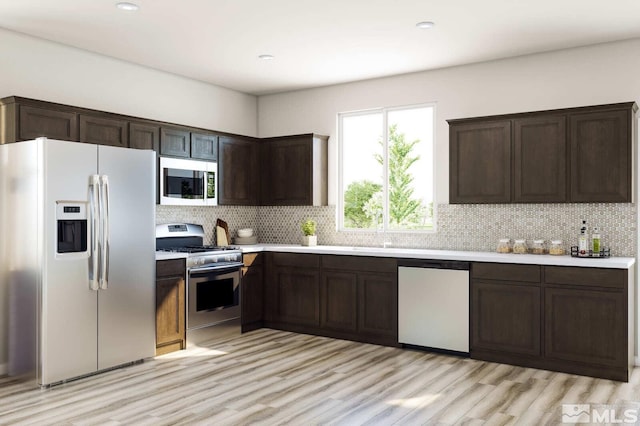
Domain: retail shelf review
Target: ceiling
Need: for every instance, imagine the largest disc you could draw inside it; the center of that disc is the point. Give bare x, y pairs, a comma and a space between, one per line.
317, 43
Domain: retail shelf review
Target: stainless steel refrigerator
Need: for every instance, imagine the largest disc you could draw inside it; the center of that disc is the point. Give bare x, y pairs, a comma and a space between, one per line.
77, 265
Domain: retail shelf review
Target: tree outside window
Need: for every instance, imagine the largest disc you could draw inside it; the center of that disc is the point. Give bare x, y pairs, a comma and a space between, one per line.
387, 169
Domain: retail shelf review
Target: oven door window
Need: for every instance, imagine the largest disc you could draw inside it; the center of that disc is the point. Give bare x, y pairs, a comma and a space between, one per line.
186, 184
216, 294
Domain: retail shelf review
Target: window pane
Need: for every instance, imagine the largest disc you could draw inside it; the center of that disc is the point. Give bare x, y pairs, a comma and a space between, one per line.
410, 150
362, 177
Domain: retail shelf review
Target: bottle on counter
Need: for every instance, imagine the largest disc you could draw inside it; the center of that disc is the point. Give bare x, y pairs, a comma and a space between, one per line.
583, 245
595, 242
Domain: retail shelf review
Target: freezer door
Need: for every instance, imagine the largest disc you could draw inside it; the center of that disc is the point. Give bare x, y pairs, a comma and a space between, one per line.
68, 320
126, 306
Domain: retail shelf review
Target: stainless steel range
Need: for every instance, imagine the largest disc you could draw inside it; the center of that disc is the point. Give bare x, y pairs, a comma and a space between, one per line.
213, 279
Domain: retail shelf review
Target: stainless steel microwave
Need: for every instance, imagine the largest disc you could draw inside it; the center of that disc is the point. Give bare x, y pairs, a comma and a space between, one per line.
188, 182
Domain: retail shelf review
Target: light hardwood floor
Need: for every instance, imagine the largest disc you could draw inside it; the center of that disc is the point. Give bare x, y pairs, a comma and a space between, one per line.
272, 377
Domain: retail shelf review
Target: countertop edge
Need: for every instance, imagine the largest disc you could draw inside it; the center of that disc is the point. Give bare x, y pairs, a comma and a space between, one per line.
468, 256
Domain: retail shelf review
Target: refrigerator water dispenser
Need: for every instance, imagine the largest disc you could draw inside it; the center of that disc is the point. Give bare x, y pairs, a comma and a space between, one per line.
72, 237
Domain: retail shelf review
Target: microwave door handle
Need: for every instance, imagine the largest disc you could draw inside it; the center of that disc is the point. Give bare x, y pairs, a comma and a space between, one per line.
94, 181
104, 217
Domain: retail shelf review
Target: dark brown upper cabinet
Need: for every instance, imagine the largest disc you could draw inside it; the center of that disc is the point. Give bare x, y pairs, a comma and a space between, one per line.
204, 146
238, 171
601, 156
567, 155
144, 136
480, 162
540, 159
175, 142
104, 131
294, 170
37, 122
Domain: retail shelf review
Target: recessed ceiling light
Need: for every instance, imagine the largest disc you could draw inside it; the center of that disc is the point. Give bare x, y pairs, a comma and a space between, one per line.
127, 6
424, 25
266, 57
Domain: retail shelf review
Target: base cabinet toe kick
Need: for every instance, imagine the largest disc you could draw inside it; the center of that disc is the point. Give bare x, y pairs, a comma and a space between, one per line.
568, 319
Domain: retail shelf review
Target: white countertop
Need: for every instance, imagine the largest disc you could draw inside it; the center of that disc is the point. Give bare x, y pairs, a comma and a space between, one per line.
469, 256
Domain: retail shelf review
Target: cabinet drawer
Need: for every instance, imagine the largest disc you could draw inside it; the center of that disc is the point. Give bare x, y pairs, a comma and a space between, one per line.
359, 263
506, 272
171, 267
595, 277
296, 259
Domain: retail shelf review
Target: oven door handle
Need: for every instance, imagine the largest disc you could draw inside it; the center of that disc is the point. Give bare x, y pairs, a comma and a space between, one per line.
217, 269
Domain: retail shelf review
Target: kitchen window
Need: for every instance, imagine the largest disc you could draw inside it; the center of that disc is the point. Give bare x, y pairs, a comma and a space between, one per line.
386, 169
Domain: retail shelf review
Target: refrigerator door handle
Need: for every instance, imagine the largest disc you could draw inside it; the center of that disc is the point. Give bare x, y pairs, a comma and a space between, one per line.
94, 218
104, 218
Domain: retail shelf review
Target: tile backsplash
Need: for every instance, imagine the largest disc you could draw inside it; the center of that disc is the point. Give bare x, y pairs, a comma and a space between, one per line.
476, 227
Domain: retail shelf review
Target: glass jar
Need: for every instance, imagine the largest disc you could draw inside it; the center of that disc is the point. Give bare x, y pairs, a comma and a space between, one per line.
556, 248
538, 247
520, 247
504, 245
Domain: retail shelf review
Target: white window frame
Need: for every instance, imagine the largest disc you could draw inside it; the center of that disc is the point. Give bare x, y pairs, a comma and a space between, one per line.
385, 173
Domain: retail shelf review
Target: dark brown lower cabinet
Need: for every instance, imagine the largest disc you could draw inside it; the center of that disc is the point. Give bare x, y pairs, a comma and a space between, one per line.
346, 297
506, 317
170, 306
252, 292
569, 319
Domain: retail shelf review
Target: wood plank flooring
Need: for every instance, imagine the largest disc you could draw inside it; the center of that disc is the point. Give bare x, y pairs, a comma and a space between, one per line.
270, 377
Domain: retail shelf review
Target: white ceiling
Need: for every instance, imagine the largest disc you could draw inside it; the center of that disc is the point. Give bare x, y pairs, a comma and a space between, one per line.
318, 42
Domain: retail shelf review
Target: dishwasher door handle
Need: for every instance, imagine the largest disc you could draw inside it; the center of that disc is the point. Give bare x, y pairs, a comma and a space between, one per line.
434, 264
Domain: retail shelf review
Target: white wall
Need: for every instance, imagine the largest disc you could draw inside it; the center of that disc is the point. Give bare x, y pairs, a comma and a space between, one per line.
40, 69
593, 75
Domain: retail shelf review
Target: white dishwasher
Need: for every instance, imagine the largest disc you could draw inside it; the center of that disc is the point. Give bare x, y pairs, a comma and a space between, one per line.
433, 304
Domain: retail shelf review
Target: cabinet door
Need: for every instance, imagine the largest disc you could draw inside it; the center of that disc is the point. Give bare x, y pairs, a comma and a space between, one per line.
540, 159
378, 305
297, 295
288, 172
480, 162
586, 326
338, 301
251, 293
103, 131
204, 147
144, 136
175, 142
600, 156
505, 317
238, 168
37, 122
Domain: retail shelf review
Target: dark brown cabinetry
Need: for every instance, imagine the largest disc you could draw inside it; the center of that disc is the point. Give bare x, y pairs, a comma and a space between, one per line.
104, 131
539, 159
175, 142
239, 171
36, 122
252, 291
480, 162
601, 156
568, 155
170, 305
204, 146
144, 136
569, 319
294, 170
347, 297
506, 308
